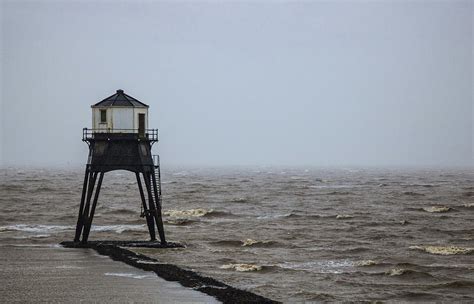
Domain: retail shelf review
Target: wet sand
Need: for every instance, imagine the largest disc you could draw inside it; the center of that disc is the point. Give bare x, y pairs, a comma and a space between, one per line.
52, 274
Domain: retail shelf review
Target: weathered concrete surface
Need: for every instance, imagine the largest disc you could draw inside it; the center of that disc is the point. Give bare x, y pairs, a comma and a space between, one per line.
46, 274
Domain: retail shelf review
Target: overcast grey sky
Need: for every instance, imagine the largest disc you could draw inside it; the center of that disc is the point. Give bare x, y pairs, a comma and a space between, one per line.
379, 83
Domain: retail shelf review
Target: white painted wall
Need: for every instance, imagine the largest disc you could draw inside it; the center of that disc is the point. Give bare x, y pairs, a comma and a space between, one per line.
96, 124
118, 118
122, 118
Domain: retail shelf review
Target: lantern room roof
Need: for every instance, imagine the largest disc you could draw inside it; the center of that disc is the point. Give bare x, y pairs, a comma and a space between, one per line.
120, 99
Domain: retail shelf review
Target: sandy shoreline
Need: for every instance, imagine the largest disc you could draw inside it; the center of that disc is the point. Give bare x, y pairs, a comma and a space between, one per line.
53, 274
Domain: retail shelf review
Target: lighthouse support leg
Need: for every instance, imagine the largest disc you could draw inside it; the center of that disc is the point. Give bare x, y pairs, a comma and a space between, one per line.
80, 219
90, 190
149, 217
158, 221
90, 217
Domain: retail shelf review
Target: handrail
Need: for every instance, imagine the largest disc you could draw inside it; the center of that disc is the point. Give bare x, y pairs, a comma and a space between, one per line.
89, 134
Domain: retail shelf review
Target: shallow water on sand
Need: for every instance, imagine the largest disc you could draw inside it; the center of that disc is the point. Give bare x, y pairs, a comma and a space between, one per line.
288, 234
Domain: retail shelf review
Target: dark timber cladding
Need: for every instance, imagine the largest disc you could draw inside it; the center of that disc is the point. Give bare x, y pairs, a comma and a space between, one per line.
121, 150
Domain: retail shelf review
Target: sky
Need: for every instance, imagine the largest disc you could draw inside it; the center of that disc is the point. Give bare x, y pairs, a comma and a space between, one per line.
282, 83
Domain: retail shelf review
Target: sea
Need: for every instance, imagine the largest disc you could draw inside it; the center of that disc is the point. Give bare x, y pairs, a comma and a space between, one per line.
290, 234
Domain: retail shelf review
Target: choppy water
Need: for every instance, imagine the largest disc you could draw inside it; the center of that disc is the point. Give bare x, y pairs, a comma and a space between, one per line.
288, 234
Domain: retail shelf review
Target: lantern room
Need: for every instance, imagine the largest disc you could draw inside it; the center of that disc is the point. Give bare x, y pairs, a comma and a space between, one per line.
119, 113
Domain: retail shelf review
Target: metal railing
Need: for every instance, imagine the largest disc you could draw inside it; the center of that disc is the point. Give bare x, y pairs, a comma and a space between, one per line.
90, 134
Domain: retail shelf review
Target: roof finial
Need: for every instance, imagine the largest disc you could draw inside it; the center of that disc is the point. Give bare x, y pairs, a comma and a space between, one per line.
119, 91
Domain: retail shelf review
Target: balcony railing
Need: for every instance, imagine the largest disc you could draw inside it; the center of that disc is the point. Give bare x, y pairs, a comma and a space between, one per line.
91, 134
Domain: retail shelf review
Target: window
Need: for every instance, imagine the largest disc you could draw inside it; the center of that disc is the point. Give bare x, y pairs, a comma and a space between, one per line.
103, 116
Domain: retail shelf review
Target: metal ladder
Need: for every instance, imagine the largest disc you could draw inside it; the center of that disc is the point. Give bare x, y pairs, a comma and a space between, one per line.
156, 163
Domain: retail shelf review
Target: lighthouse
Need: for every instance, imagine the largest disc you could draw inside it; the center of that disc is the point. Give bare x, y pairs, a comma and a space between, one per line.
121, 140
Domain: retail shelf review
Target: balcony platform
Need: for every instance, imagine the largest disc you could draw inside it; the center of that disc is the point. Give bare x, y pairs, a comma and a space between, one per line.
89, 135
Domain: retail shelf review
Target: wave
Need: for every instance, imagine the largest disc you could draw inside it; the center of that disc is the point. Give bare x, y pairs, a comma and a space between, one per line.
242, 267
444, 250
255, 243
118, 228
35, 236
45, 229
407, 272
468, 205
245, 243
436, 209
38, 228
285, 215
344, 216
240, 200
198, 212
179, 221
328, 266
364, 263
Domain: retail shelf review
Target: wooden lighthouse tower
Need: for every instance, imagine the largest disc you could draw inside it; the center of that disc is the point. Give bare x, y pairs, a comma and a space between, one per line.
120, 140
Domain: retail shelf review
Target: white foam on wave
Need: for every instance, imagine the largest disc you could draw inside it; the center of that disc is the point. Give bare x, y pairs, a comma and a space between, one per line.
46, 230
118, 228
327, 266
395, 272
437, 209
34, 236
36, 228
242, 267
198, 212
129, 275
444, 250
250, 242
